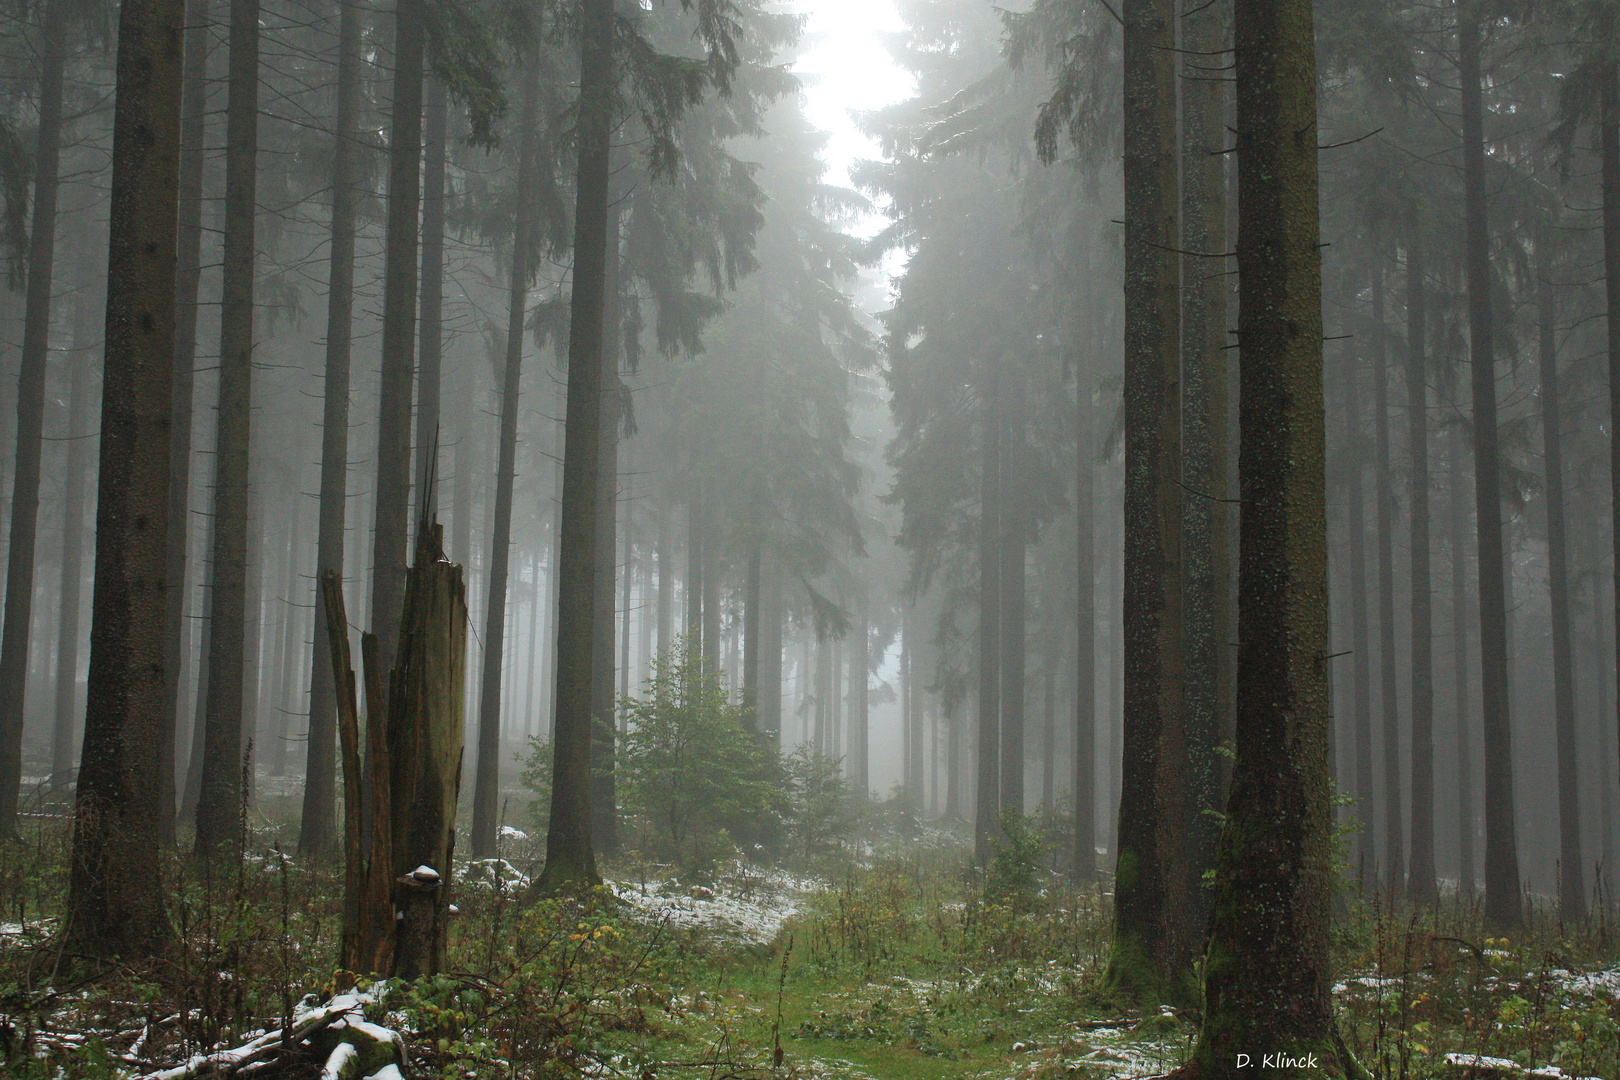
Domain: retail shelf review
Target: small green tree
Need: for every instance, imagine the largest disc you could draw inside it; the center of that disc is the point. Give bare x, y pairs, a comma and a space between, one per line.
689, 767
819, 810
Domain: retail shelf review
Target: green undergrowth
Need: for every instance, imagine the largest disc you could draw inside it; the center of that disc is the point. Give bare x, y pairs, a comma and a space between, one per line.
895, 961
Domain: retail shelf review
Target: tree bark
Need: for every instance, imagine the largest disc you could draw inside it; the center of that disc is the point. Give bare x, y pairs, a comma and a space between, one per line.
430, 357
1394, 869
19, 606
1267, 981
1459, 675
391, 533
1013, 546
570, 857
193, 109
1422, 887
67, 647
116, 881
1361, 647
426, 693
1571, 871
1503, 902
1085, 671
1154, 945
318, 825
1206, 29
488, 779
220, 799
987, 790
859, 746
1609, 152
604, 794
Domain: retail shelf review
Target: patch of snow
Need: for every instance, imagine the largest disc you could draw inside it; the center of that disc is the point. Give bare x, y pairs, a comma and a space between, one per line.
509, 833
753, 913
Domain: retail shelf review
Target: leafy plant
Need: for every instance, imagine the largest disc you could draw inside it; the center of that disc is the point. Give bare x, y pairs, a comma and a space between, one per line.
688, 766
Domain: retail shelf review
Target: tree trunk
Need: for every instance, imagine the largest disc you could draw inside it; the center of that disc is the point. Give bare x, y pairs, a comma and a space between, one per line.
1361, 649
1085, 668
1267, 982
1502, 897
1421, 884
1459, 675
570, 858
318, 825
1048, 732
1394, 869
604, 796
987, 796
391, 533
116, 880
426, 693
1609, 152
19, 606
1206, 30
193, 109
1014, 525
286, 698
67, 647
770, 659
1154, 945
1571, 872
429, 373
859, 657
487, 784
219, 804
751, 635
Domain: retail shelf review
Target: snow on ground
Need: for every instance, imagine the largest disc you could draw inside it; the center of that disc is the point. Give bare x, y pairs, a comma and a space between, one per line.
748, 907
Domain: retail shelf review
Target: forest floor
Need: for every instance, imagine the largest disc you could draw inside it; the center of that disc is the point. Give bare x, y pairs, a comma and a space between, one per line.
885, 960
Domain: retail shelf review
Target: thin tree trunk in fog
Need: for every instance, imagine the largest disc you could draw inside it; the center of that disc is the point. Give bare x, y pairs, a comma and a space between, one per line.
666, 585
1459, 671
1571, 872
430, 327
1154, 946
67, 642
1013, 545
604, 796
1394, 875
751, 636
911, 765
770, 659
953, 768
488, 778
1502, 897
1361, 657
391, 530
531, 703
570, 859
1048, 732
193, 110
1204, 394
192, 791
987, 797
1422, 887
627, 578
859, 746
317, 829
709, 551
1085, 664
220, 798
19, 606
286, 700
461, 483
693, 582
116, 882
